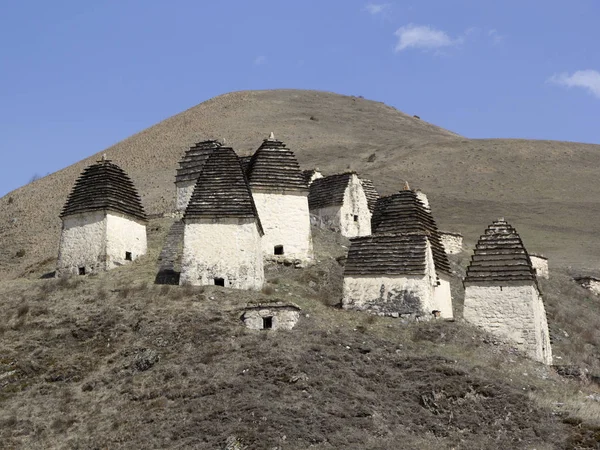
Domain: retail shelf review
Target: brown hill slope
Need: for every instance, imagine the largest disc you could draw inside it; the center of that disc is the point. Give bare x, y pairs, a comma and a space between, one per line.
548, 190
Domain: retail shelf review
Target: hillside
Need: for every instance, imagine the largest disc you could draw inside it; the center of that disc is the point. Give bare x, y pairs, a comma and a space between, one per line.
114, 361
548, 190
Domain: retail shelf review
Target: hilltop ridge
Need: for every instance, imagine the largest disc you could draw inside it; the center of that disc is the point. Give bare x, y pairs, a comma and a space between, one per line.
547, 189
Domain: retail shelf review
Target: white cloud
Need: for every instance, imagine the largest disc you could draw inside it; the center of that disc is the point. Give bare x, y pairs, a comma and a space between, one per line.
423, 37
586, 79
260, 60
495, 36
376, 8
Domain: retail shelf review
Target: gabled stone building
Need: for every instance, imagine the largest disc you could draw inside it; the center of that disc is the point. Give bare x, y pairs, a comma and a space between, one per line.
222, 230
281, 197
502, 294
402, 267
103, 222
339, 203
189, 169
540, 265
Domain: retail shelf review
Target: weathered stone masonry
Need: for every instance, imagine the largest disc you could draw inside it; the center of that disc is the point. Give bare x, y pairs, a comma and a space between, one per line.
402, 268
222, 231
103, 222
502, 294
281, 197
339, 202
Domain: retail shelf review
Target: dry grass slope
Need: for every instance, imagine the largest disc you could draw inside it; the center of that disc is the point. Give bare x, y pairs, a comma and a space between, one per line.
548, 190
113, 361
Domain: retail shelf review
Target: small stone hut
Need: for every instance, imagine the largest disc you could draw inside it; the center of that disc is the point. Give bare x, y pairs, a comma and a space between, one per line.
452, 242
402, 268
590, 283
339, 203
502, 294
311, 175
540, 265
271, 316
189, 170
222, 230
103, 222
281, 197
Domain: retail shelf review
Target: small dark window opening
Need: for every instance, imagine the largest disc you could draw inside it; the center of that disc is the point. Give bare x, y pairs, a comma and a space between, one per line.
219, 282
127, 256
267, 323
278, 250
82, 271
355, 218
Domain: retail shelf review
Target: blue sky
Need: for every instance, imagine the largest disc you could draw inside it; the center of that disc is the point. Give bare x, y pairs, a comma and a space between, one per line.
77, 76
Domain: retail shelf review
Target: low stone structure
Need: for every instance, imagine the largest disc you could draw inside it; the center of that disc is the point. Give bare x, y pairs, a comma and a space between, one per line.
590, 283
401, 269
502, 295
339, 203
281, 197
103, 222
452, 242
189, 170
540, 265
222, 230
311, 175
271, 316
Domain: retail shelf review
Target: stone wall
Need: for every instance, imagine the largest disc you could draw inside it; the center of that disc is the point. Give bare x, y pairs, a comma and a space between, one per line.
452, 242
82, 243
442, 297
540, 264
228, 249
97, 240
282, 317
286, 221
124, 235
513, 312
185, 189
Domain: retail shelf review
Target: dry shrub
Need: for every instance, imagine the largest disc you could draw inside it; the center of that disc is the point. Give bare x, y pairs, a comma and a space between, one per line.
22, 310
268, 290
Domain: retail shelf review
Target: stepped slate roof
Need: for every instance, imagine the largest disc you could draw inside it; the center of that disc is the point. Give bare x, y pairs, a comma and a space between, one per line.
191, 164
387, 254
274, 166
104, 186
371, 193
404, 212
500, 257
328, 191
221, 190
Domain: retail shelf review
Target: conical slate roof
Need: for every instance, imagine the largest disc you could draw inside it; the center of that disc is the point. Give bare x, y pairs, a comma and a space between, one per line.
328, 191
500, 257
371, 193
404, 212
221, 190
275, 167
193, 160
387, 254
104, 186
